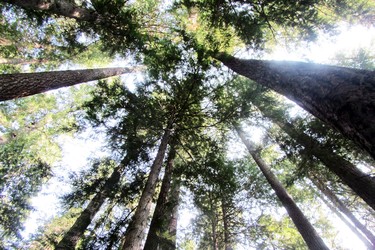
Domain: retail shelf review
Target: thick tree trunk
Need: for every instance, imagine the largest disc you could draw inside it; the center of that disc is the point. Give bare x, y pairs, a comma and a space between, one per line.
158, 226
62, 8
25, 84
362, 184
174, 201
71, 238
135, 231
307, 231
370, 241
344, 98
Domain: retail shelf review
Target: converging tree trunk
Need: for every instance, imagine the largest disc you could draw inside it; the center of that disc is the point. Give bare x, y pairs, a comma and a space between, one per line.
369, 240
75, 233
307, 231
361, 183
342, 97
135, 232
24, 84
157, 237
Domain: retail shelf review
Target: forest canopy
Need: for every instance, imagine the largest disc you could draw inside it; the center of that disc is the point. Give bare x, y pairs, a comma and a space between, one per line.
194, 120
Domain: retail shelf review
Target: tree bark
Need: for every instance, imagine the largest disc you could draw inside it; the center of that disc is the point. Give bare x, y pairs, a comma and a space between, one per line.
71, 238
307, 231
135, 231
227, 237
62, 8
24, 84
369, 240
174, 201
158, 227
342, 97
362, 184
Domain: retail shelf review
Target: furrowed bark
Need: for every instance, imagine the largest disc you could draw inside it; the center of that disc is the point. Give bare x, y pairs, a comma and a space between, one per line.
75, 233
305, 228
342, 97
135, 231
25, 84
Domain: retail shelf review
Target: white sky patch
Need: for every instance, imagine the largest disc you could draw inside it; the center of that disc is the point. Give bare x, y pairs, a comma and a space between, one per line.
349, 38
76, 152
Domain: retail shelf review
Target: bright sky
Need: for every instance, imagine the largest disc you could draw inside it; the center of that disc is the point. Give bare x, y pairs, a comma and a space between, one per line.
76, 151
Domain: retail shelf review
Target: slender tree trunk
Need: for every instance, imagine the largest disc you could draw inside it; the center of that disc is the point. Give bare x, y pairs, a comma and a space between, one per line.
25, 84
307, 231
158, 226
362, 184
370, 241
71, 238
62, 8
5, 42
135, 231
227, 236
342, 97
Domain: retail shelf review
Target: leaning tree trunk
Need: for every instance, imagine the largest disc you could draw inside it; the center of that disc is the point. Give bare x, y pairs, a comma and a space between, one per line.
134, 234
62, 8
24, 84
362, 184
158, 227
71, 238
369, 240
307, 231
342, 97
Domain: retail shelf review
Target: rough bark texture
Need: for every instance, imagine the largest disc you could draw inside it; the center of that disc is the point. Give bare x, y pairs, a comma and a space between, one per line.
71, 238
362, 184
158, 227
25, 84
341, 97
61, 8
369, 240
135, 231
174, 201
307, 231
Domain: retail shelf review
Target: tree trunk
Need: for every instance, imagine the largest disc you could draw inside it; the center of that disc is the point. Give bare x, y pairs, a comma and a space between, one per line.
174, 201
370, 241
307, 231
344, 98
62, 8
134, 233
227, 236
70, 239
158, 226
362, 184
25, 84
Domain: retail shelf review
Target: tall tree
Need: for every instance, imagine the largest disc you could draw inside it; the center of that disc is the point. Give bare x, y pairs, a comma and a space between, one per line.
341, 97
370, 241
25, 84
307, 231
158, 234
135, 230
